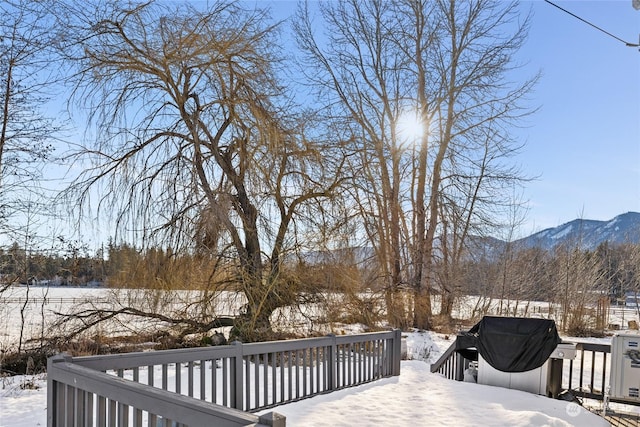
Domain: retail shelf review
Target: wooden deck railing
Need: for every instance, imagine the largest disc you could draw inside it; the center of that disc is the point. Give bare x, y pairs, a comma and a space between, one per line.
588, 373
213, 385
451, 364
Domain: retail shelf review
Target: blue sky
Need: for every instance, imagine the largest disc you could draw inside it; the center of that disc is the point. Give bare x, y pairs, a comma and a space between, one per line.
584, 142
583, 145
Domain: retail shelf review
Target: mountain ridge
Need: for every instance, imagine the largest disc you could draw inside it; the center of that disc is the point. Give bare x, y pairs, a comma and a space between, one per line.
587, 233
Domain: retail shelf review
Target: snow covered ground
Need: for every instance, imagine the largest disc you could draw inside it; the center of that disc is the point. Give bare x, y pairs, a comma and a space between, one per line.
416, 397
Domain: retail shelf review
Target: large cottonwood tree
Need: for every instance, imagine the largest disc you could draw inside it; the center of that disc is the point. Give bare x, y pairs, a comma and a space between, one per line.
445, 63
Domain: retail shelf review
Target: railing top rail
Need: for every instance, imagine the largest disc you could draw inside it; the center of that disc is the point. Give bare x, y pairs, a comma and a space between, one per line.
144, 358
305, 343
590, 346
136, 359
347, 339
438, 363
288, 345
156, 401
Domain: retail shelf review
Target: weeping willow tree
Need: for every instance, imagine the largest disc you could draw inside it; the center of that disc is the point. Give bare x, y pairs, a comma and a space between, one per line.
196, 145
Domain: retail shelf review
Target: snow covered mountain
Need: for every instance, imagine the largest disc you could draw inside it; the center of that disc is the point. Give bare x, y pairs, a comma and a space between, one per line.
588, 234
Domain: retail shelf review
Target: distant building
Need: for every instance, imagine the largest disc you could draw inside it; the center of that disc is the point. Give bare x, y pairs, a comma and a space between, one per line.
632, 299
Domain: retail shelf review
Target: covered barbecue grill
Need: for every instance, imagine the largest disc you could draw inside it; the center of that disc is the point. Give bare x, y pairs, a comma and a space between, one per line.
519, 353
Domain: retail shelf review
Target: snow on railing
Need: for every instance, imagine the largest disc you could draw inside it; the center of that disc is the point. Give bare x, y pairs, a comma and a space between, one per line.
194, 386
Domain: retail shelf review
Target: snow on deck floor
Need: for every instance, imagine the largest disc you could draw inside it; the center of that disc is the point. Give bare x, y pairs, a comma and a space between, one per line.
419, 398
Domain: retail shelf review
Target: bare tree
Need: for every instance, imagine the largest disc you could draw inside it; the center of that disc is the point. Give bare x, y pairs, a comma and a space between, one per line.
445, 63
27, 78
197, 147
579, 287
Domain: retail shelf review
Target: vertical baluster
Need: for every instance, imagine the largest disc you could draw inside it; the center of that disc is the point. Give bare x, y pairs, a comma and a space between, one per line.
380, 361
371, 359
247, 382
214, 380
102, 412
349, 364
581, 366
297, 364
290, 379
265, 379
178, 378
320, 369
304, 372
112, 413
79, 409
190, 378
360, 365
311, 370
367, 346
203, 380
360, 359
150, 375
338, 357
165, 376
274, 378
123, 415
604, 371
90, 412
593, 364
225, 383
372, 353
282, 375
327, 365
256, 380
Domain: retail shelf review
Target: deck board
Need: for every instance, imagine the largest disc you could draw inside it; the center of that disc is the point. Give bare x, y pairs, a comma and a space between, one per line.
621, 419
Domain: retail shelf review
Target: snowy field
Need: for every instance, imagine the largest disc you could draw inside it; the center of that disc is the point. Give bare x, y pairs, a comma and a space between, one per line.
416, 397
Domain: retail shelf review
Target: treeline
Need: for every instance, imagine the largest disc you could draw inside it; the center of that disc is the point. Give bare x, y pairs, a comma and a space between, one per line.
74, 267
119, 266
581, 283
517, 274
540, 275
531, 274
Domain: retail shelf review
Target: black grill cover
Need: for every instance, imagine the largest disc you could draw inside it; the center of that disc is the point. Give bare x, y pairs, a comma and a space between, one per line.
511, 344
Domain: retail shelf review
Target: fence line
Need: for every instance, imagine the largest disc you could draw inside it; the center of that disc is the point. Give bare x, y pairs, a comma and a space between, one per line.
238, 377
52, 300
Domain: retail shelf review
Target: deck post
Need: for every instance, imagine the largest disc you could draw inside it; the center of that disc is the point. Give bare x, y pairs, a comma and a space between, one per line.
273, 419
332, 361
237, 375
55, 402
397, 352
